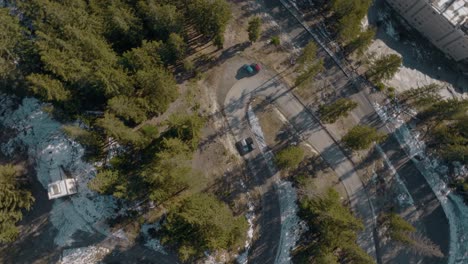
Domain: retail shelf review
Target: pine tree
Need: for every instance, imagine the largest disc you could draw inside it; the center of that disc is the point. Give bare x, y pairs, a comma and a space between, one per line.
186, 127
254, 28
122, 27
144, 57
174, 49
290, 157
361, 43
384, 68
161, 19
12, 42
361, 137
308, 65
202, 223
48, 88
170, 172
129, 108
334, 228
158, 89
116, 129
330, 113
13, 199
210, 17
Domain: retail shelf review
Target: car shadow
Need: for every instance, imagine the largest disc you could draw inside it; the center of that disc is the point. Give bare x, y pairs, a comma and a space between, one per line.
242, 73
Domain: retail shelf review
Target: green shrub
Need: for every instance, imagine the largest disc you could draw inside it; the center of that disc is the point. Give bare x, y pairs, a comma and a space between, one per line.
254, 29
361, 137
104, 182
275, 40
380, 86
189, 66
290, 157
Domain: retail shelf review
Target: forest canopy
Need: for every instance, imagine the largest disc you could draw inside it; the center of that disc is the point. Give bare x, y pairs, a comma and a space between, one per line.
93, 54
110, 65
202, 223
115, 59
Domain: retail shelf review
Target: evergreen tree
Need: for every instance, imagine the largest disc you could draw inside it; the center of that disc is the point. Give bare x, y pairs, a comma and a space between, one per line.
144, 57
330, 113
446, 110
349, 27
186, 127
116, 129
128, 108
254, 28
91, 140
47, 88
170, 172
308, 75
421, 97
361, 137
334, 228
308, 55
384, 68
122, 27
290, 157
398, 228
13, 199
202, 223
174, 49
210, 17
10, 36
362, 42
349, 14
275, 40
308, 65
105, 182
161, 19
158, 89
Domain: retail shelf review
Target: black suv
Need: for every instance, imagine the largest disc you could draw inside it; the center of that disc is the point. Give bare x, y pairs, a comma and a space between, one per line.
245, 146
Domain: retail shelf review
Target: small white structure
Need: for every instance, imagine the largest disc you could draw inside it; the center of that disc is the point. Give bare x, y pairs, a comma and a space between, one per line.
61, 188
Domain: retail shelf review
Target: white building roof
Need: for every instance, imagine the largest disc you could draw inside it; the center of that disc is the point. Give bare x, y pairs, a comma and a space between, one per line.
456, 11
61, 188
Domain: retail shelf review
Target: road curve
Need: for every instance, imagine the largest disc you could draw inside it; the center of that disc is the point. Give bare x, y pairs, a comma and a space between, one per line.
262, 178
267, 84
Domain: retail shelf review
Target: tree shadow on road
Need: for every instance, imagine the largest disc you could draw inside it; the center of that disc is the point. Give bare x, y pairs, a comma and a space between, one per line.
265, 247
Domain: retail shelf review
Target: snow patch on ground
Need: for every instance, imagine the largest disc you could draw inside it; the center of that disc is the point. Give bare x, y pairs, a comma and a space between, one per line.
53, 153
243, 258
436, 176
407, 78
291, 227
150, 242
210, 259
365, 23
83, 255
